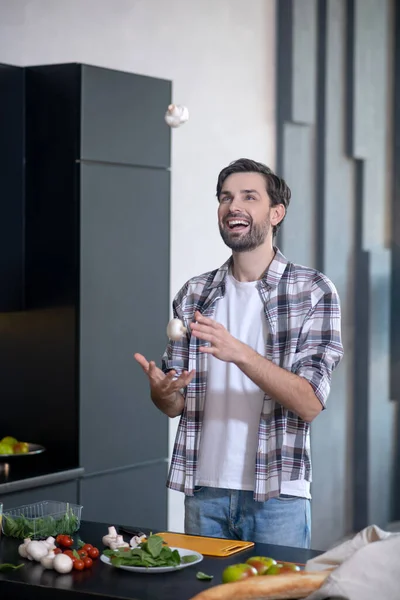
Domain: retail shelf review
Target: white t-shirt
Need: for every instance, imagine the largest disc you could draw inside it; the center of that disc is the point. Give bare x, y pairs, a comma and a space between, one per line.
233, 406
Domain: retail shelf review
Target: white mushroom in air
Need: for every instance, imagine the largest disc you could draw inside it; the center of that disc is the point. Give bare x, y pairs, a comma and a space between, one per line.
176, 115
176, 330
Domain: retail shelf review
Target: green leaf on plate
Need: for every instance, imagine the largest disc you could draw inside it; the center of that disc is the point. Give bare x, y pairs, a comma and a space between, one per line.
153, 545
189, 558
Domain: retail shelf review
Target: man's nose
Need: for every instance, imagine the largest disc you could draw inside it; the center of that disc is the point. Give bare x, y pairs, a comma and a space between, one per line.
236, 204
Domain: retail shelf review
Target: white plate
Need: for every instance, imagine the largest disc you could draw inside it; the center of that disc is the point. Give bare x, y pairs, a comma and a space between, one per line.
182, 552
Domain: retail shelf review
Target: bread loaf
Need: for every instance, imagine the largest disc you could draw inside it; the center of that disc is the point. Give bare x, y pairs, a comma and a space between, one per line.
267, 587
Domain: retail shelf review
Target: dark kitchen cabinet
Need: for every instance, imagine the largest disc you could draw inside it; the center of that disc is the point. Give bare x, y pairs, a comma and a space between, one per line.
12, 176
95, 277
128, 497
124, 250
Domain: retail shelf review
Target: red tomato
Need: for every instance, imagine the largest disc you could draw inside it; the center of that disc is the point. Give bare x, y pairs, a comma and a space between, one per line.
79, 565
82, 553
70, 554
94, 553
59, 539
87, 547
66, 541
57, 551
87, 562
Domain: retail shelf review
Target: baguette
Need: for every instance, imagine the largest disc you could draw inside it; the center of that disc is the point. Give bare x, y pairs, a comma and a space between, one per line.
268, 587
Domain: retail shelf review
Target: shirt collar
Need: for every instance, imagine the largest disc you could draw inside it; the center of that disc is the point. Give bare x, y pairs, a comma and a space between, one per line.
270, 278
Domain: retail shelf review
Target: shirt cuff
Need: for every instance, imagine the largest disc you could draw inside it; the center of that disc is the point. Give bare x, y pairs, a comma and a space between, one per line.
320, 383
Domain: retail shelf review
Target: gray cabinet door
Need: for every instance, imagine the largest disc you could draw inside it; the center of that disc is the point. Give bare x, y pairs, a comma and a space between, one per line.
124, 308
60, 492
134, 497
122, 118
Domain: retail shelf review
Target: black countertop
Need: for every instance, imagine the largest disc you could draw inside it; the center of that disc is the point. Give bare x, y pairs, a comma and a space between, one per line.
34, 583
27, 472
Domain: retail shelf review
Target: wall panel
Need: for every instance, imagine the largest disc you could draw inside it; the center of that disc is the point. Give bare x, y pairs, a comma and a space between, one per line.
333, 140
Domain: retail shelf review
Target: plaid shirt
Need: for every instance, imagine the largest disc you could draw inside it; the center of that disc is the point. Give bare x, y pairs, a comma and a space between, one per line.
302, 311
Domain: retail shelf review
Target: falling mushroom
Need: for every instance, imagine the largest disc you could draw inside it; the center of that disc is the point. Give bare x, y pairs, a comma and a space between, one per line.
176, 115
176, 330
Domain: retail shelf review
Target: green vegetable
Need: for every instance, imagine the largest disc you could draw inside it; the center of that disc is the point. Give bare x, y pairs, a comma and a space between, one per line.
9, 567
204, 576
150, 553
189, 558
21, 527
153, 545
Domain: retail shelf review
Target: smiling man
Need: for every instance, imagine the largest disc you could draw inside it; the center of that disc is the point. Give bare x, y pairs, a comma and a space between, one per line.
251, 374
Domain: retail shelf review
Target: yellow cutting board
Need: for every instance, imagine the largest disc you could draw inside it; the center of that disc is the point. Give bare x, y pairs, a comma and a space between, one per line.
208, 546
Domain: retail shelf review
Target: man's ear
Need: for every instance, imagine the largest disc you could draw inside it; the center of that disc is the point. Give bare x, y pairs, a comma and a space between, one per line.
277, 214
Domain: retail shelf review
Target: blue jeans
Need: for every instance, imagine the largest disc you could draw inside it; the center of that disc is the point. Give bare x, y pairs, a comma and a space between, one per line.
233, 514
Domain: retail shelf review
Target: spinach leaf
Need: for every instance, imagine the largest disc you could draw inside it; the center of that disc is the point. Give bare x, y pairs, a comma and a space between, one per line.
9, 567
189, 558
204, 576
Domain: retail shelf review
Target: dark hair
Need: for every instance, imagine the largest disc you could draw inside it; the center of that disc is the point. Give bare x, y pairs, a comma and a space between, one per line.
277, 189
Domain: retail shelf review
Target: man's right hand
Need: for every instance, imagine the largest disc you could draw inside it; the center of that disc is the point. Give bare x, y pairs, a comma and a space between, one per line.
164, 388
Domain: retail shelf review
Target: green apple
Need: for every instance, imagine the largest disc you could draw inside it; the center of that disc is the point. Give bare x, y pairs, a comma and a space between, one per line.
275, 569
6, 448
10, 441
288, 567
238, 572
261, 563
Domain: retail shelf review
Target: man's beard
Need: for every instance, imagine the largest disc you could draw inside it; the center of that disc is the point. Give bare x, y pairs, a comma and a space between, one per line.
249, 240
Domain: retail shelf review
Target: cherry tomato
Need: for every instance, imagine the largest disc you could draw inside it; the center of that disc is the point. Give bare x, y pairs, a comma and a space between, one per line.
66, 541
70, 554
87, 547
87, 562
82, 553
79, 565
94, 553
57, 551
59, 539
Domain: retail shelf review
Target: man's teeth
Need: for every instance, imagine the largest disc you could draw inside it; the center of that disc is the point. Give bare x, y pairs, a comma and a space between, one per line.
237, 222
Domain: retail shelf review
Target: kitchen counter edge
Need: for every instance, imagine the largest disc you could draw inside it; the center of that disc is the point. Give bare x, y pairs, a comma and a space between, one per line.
41, 480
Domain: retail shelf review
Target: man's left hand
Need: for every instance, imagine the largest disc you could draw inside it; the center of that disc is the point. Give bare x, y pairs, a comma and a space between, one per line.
222, 344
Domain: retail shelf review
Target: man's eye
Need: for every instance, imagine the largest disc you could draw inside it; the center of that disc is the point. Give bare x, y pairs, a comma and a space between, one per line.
225, 199
248, 197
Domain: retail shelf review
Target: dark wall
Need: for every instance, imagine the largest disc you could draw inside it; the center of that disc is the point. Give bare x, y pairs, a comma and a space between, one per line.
334, 148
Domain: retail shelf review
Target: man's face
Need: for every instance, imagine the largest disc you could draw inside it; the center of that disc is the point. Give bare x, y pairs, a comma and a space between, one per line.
245, 212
